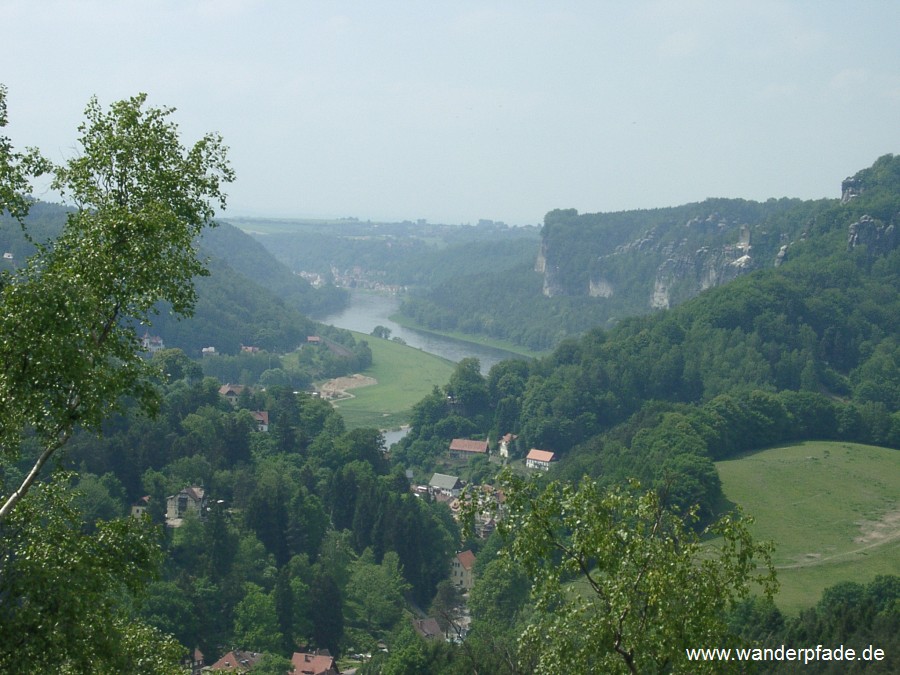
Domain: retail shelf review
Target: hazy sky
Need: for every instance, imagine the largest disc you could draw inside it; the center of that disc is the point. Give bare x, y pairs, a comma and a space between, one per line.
455, 111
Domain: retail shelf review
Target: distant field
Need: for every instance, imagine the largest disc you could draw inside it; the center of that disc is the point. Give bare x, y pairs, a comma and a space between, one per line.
405, 376
832, 509
279, 225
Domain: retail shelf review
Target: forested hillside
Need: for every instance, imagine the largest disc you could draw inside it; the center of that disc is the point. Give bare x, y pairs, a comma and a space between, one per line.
186, 511
807, 349
393, 256
596, 269
247, 299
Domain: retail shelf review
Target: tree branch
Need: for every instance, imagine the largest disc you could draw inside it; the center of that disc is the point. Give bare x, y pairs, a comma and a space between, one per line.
47, 453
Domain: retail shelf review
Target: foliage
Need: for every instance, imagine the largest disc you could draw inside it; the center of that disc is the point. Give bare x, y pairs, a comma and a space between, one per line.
64, 594
850, 614
67, 330
647, 588
375, 593
256, 622
16, 169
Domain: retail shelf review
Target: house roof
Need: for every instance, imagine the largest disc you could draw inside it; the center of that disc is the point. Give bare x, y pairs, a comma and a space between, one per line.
509, 438
237, 661
231, 389
261, 416
428, 628
320, 663
540, 455
444, 482
466, 445
466, 559
194, 492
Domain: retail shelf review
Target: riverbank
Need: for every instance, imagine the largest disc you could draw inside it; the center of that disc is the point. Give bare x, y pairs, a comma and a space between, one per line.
404, 376
470, 338
367, 310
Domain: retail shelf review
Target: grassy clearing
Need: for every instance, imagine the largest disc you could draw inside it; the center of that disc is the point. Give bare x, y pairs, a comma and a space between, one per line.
405, 376
832, 509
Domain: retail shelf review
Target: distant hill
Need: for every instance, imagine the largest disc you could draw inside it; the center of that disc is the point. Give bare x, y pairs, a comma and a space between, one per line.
245, 255
808, 349
249, 297
599, 268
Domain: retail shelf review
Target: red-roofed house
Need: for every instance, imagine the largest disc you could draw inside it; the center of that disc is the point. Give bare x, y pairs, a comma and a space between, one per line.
237, 662
461, 573
231, 392
320, 663
539, 459
463, 448
262, 419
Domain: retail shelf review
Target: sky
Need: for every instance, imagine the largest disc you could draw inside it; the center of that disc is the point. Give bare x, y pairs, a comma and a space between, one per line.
459, 111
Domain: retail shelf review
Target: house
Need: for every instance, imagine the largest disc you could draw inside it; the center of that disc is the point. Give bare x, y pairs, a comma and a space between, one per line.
319, 663
236, 662
313, 340
539, 459
442, 484
189, 500
249, 349
428, 628
262, 420
231, 392
463, 448
461, 573
505, 442
139, 508
152, 343
193, 662
208, 351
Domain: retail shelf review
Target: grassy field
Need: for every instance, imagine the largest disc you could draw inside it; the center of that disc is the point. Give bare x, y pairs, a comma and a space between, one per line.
405, 376
832, 509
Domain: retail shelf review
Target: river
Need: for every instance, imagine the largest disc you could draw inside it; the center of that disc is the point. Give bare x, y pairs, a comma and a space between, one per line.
367, 310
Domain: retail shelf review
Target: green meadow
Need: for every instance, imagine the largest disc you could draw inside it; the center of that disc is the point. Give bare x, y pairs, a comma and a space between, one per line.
405, 376
831, 508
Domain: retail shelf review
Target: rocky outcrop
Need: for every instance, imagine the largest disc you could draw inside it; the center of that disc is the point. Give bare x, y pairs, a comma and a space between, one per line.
878, 237
687, 274
634, 262
851, 188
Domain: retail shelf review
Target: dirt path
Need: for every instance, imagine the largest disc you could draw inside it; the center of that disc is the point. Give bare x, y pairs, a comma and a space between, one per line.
340, 387
875, 533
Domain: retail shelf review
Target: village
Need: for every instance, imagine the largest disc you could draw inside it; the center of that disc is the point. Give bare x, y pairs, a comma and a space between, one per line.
482, 503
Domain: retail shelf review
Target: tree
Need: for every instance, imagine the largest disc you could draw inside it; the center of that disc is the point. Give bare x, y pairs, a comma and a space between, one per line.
15, 170
381, 332
63, 593
69, 356
646, 587
68, 341
447, 604
256, 621
467, 389
375, 593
